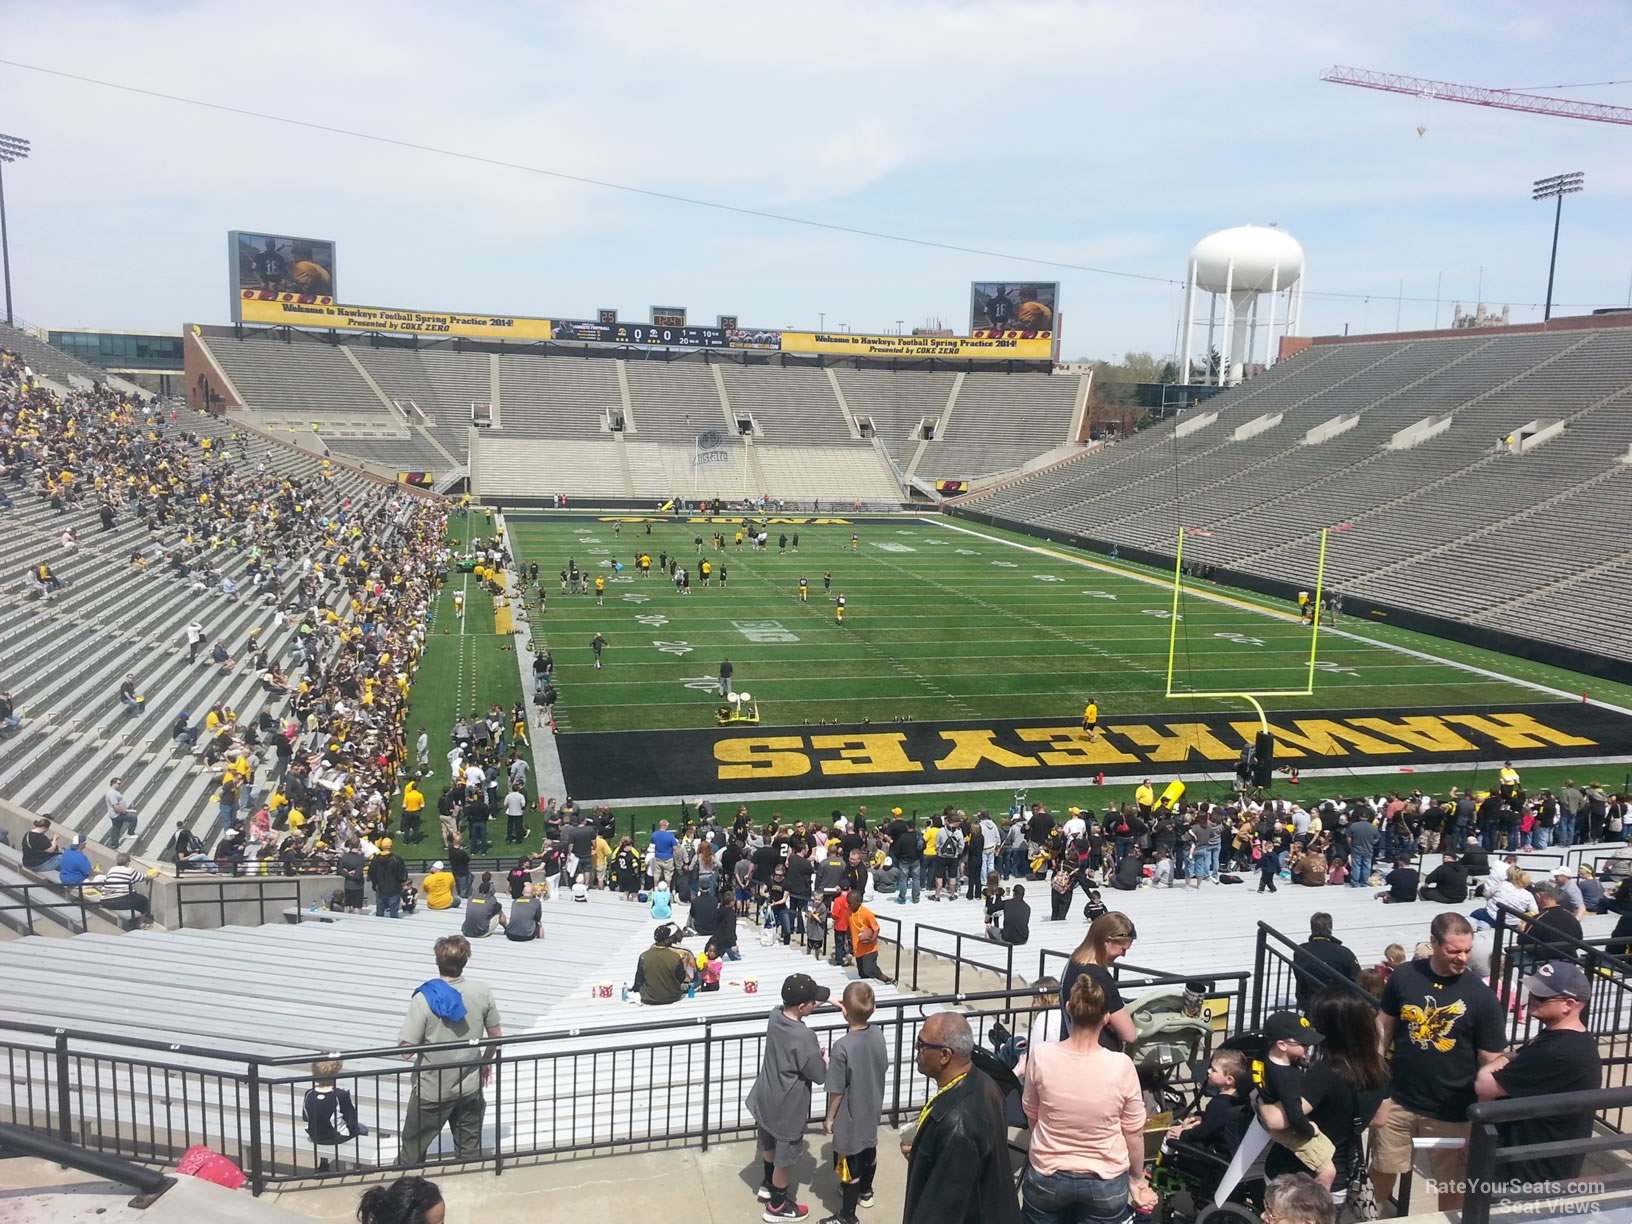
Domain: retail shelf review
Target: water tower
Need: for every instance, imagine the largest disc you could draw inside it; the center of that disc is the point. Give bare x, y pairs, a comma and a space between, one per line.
1242, 265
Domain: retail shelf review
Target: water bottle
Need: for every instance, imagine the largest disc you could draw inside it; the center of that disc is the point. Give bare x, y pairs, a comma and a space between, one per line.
691, 989
626, 992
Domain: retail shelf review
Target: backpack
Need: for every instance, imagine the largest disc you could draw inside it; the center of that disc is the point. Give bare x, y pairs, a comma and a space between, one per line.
949, 845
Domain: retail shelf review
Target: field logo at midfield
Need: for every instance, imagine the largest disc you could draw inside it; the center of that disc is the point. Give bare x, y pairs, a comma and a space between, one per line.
626, 765
894, 546
764, 631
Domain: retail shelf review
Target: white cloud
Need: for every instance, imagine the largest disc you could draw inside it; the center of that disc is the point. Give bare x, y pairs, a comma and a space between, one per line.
1101, 134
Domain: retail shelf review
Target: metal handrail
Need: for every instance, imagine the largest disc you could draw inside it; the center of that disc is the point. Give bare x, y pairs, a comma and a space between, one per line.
150, 1183
1486, 1152
221, 1054
958, 959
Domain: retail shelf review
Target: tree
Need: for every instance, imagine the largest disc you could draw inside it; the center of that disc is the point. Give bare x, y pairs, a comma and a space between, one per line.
1169, 374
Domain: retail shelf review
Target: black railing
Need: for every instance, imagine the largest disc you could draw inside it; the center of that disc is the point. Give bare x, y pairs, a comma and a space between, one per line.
1004, 958
148, 1183
221, 892
24, 907
674, 1079
1489, 1180
1607, 1014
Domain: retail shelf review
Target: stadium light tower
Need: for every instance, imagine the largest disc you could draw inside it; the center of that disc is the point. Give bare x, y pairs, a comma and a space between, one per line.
12, 148
1556, 188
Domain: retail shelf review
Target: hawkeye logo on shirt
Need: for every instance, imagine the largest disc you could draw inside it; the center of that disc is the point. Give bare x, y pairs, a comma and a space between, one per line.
1429, 1026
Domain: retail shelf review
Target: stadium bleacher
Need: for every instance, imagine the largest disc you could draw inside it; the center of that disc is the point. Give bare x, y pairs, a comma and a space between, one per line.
542, 988
1428, 520
51, 362
372, 402
65, 658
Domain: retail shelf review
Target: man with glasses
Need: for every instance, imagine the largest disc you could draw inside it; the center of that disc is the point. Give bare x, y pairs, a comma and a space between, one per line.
1563, 1057
958, 1154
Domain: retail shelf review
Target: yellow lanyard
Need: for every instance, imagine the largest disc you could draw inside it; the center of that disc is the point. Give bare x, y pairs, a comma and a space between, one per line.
924, 1112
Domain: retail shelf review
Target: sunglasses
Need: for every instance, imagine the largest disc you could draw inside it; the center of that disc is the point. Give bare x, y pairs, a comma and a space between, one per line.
920, 1044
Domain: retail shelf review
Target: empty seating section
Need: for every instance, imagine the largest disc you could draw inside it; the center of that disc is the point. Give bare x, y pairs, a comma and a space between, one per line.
674, 401
504, 468
459, 380
560, 397
1440, 526
791, 405
827, 473
305, 377
999, 422
511, 468
345, 984
395, 455
897, 403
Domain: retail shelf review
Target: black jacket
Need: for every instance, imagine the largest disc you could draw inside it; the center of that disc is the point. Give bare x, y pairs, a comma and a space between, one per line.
1328, 952
387, 873
959, 1169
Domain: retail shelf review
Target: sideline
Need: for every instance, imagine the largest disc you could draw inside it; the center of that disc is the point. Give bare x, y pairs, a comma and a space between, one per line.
1188, 777
1233, 602
546, 756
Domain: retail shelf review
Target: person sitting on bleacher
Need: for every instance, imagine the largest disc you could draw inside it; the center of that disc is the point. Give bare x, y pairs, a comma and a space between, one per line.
75, 868
118, 887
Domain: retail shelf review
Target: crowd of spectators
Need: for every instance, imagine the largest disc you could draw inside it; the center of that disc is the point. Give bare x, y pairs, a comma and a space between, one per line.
351, 571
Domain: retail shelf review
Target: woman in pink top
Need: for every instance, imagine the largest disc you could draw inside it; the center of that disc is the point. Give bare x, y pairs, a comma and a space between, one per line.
1087, 1124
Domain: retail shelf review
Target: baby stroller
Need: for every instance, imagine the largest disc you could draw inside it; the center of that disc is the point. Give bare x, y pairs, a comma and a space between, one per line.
1187, 1175
1172, 1043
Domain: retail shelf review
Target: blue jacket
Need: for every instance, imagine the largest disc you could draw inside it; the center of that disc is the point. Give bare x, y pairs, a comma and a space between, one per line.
75, 868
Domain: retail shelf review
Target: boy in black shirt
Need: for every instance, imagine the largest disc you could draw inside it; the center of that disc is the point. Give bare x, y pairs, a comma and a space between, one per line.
1220, 1127
1291, 1037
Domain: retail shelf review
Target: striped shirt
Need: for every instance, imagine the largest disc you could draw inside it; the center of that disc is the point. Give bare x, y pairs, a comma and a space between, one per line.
119, 881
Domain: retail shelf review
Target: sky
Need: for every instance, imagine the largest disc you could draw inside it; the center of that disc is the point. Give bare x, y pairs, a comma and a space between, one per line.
1105, 136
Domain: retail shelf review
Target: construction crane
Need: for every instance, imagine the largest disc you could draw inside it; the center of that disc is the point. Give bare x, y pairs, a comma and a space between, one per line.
1474, 95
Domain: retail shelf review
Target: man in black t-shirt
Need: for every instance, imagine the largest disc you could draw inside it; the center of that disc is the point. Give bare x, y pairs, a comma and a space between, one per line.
1563, 1057
1442, 1024
1402, 883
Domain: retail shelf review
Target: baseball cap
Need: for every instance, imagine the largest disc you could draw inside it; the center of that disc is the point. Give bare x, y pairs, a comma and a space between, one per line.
437, 866
1558, 979
384, 843
79, 839
1562, 873
665, 934
1289, 1026
895, 811
802, 988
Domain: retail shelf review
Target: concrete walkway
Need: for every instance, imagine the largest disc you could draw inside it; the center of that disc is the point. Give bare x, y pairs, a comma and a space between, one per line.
716, 1186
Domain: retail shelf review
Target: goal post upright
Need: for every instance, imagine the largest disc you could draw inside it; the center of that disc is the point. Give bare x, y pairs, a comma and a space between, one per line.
1253, 698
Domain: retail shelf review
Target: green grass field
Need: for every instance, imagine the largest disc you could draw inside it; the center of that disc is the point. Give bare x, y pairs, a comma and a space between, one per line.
944, 624
941, 625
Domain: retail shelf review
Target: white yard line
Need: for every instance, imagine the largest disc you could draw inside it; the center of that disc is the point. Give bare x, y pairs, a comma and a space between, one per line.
1284, 616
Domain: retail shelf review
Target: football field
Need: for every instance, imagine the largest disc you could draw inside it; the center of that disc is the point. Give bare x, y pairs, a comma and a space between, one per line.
964, 661
942, 622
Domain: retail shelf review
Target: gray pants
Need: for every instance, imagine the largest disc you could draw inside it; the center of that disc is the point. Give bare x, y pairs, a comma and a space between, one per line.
424, 1121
